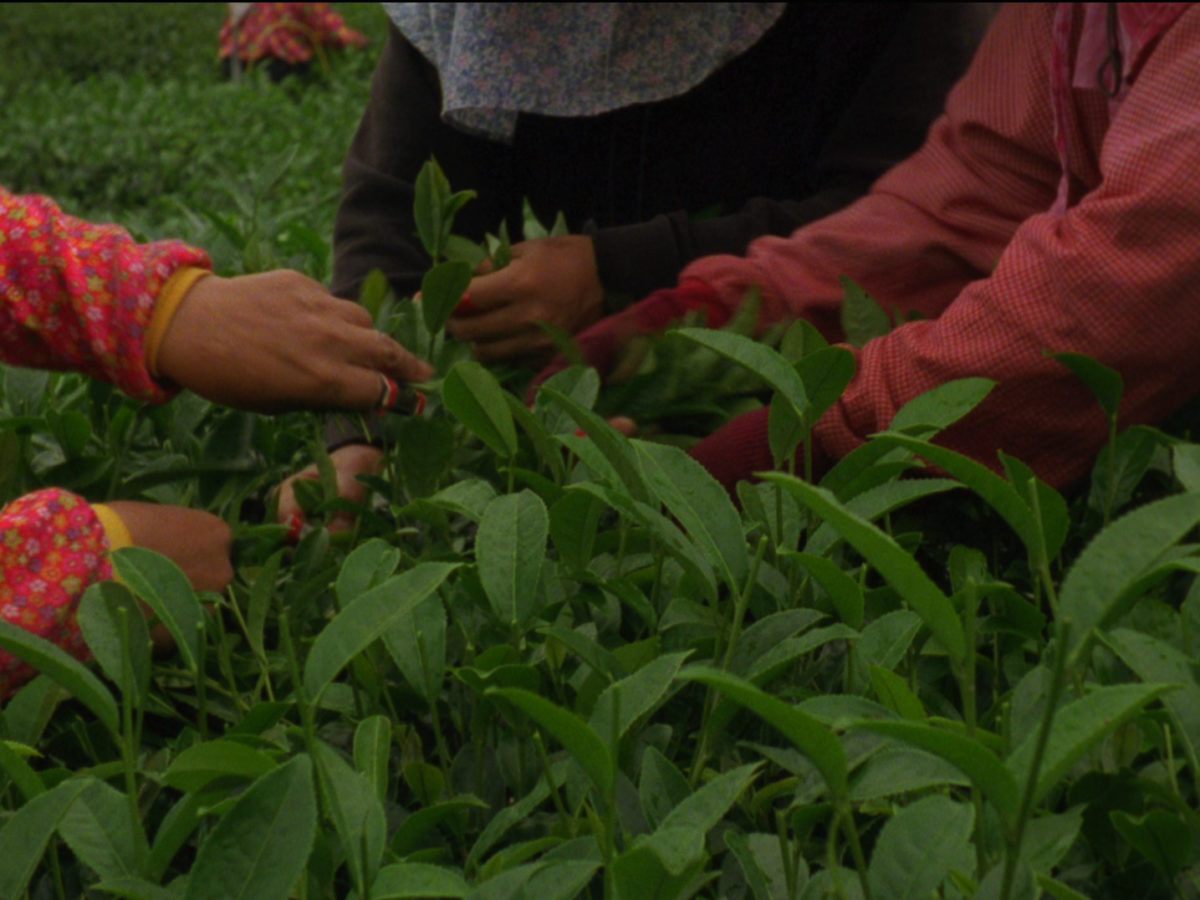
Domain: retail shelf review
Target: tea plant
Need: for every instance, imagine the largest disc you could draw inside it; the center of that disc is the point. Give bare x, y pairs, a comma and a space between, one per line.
553, 661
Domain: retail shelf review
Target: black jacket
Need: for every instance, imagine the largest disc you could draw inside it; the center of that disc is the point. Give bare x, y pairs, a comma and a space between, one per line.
795, 128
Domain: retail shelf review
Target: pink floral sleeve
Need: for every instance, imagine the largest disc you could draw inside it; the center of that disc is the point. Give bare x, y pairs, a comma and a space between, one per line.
79, 296
52, 547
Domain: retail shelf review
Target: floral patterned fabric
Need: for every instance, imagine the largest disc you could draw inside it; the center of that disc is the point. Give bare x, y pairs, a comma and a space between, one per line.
287, 31
495, 60
73, 296
78, 296
51, 548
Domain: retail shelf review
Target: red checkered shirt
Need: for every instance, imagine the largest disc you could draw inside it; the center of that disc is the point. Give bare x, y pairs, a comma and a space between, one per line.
968, 235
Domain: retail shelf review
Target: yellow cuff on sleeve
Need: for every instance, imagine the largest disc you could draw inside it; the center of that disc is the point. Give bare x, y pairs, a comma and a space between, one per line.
173, 291
114, 528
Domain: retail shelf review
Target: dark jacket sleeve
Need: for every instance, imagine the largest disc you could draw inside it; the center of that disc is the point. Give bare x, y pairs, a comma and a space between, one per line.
399, 131
891, 111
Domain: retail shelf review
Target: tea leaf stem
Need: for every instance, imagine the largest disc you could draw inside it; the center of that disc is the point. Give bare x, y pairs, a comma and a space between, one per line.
1018, 831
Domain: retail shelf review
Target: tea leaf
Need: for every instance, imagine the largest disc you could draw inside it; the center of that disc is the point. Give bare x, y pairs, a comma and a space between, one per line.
998, 493
1048, 838
460, 249
115, 630
758, 358
876, 502
424, 447
699, 502
1120, 467
1050, 514
825, 373
357, 814
844, 592
260, 847
708, 805
372, 740
581, 384
635, 696
549, 453
260, 602
615, 447
161, 584
12, 761
1105, 384
510, 549
569, 730
365, 619
900, 569
1077, 727
810, 737
99, 829
786, 429
374, 296
55, 663
661, 787
862, 318
431, 192
940, 407
24, 836
417, 880
801, 339
476, 399
416, 641
896, 770
971, 757
227, 761
1163, 838
1153, 660
368, 566
574, 521
659, 867
441, 290
1107, 574
894, 693
531, 228
918, 846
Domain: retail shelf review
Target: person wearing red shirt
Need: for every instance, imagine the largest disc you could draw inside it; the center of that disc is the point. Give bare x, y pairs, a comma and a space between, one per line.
1054, 207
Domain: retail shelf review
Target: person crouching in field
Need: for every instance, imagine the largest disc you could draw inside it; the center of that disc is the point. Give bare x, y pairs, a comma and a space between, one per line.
152, 318
1054, 207
282, 37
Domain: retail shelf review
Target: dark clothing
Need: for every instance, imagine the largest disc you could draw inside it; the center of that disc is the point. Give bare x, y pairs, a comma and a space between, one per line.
805, 120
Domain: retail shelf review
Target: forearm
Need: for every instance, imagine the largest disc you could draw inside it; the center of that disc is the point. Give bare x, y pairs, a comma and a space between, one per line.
636, 260
78, 296
935, 222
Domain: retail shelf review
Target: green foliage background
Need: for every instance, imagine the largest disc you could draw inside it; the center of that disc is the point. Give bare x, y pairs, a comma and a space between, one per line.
121, 113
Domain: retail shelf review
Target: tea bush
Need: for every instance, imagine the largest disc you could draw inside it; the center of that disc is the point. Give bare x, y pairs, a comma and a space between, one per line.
550, 661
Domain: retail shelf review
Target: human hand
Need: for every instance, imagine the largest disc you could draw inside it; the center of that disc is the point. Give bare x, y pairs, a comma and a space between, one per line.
551, 279
349, 462
198, 542
740, 448
277, 341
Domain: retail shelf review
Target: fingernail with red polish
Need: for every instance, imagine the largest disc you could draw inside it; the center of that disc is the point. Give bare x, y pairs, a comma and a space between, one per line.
295, 525
420, 407
579, 432
465, 306
391, 393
